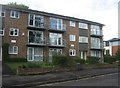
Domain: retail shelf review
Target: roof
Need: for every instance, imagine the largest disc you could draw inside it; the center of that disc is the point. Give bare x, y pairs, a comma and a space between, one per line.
113, 39
52, 15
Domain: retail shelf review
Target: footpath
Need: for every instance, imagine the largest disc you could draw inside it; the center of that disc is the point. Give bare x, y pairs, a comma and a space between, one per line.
32, 80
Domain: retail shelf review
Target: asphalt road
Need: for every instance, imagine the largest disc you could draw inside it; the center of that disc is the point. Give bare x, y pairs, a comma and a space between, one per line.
0, 73
102, 80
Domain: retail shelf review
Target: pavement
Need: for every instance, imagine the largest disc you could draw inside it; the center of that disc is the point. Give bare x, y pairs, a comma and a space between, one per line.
33, 80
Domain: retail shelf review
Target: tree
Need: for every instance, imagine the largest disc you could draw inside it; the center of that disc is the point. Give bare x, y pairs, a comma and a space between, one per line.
18, 5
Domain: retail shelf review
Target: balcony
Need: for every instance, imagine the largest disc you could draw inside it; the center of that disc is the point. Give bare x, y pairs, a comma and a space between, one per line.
97, 33
57, 43
40, 26
36, 41
57, 27
95, 46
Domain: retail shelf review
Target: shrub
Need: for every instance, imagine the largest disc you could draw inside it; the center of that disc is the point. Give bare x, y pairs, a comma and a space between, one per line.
5, 54
60, 60
78, 60
33, 65
92, 60
16, 60
109, 59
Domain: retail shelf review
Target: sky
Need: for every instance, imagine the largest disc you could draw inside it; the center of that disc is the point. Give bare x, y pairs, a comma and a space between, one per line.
102, 11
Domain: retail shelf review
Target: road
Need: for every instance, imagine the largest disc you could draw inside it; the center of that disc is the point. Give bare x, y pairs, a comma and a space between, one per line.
0, 73
102, 80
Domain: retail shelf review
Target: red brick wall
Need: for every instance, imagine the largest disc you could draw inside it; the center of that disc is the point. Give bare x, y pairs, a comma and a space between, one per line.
114, 49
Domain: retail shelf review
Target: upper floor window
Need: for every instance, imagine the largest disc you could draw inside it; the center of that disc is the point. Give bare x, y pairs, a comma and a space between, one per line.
95, 43
1, 32
72, 37
36, 20
83, 25
57, 24
83, 39
2, 13
14, 32
72, 23
72, 52
13, 49
95, 30
14, 14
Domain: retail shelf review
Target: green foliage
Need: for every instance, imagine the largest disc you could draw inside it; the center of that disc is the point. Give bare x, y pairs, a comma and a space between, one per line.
5, 54
16, 60
118, 55
78, 60
109, 59
92, 60
18, 5
33, 65
60, 60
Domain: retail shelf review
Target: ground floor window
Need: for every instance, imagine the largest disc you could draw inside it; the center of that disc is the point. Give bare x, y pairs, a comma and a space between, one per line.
13, 49
54, 51
95, 53
35, 54
72, 52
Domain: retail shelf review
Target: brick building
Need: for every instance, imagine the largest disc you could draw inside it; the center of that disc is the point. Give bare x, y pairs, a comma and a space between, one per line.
34, 34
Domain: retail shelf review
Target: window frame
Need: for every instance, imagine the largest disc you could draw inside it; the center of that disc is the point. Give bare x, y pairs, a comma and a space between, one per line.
82, 38
2, 12
72, 52
13, 50
13, 14
83, 25
72, 37
72, 23
3, 32
14, 31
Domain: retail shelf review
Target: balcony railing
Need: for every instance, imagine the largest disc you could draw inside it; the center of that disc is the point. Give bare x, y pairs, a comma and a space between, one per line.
36, 41
38, 26
57, 27
96, 46
57, 43
97, 33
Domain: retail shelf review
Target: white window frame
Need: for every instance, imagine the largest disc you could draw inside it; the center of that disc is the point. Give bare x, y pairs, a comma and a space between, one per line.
83, 25
14, 12
13, 50
14, 29
2, 32
2, 12
83, 39
72, 52
72, 23
72, 37
41, 21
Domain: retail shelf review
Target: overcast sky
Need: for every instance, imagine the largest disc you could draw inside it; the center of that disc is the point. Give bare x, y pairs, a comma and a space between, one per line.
102, 11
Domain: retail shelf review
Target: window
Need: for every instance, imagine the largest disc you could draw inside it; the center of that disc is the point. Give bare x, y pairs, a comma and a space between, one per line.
72, 52
35, 54
56, 39
72, 23
83, 39
72, 37
1, 32
2, 13
95, 30
95, 43
14, 14
107, 52
36, 21
14, 32
95, 53
13, 50
107, 43
57, 24
83, 25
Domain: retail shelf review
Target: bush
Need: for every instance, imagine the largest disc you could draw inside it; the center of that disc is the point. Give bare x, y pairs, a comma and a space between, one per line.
78, 60
60, 60
5, 54
109, 59
33, 65
16, 60
92, 60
